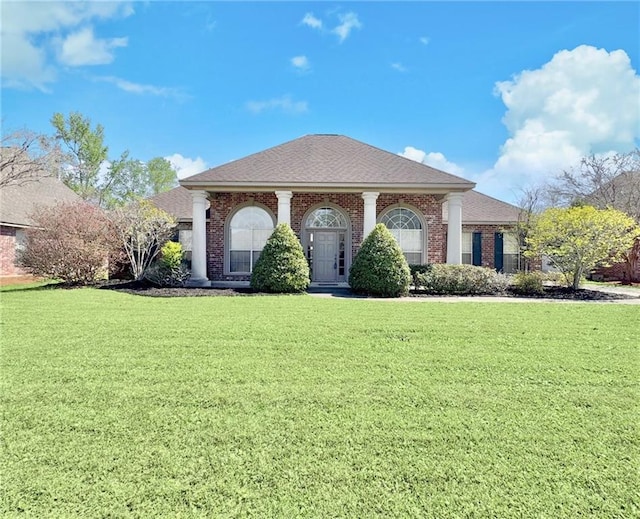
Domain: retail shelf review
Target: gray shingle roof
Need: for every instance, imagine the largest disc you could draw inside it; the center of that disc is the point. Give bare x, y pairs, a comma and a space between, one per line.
322, 161
17, 202
479, 208
177, 202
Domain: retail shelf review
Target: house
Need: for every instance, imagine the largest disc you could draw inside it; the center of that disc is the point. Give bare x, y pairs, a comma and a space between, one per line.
333, 190
17, 202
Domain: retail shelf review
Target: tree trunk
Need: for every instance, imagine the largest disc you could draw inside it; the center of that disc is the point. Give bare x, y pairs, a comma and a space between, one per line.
577, 276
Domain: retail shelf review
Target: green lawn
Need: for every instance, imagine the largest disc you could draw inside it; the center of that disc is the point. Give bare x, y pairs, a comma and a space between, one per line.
124, 406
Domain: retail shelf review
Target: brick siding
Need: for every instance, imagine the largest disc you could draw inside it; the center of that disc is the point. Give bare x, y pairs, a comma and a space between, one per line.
224, 204
8, 265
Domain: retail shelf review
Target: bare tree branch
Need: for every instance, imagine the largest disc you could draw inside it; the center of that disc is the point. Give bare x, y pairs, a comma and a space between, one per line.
26, 156
603, 181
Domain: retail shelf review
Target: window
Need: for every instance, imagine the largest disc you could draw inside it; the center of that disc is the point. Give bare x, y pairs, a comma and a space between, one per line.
326, 217
406, 227
511, 253
185, 239
249, 230
467, 248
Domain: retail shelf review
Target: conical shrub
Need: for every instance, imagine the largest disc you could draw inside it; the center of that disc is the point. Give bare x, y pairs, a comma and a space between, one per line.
281, 267
380, 268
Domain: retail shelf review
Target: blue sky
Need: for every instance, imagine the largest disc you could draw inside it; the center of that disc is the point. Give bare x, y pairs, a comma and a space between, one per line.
502, 93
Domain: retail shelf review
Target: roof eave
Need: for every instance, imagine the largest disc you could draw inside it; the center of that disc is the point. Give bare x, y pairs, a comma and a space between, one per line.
435, 188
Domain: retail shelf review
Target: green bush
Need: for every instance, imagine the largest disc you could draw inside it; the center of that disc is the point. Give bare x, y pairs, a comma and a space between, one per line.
528, 283
171, 255
169, 269
380, 268
281, 267
461, 280
416, 269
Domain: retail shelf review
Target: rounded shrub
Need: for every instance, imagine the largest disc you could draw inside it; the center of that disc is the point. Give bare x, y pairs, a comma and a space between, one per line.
380, 268
528, 283
281, 267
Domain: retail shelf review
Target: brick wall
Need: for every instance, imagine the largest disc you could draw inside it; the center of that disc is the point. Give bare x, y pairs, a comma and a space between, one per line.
8, 252
488, 241
223, 204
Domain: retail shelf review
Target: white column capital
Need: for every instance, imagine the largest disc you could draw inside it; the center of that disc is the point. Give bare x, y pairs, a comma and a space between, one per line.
284, 206
199, 196
370, 196
284, 195
455, 198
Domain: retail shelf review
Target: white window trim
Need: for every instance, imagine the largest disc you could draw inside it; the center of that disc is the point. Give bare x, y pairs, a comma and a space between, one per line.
227, 235
304, 239
423, 222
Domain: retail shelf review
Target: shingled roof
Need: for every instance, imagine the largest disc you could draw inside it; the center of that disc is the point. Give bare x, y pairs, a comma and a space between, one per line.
327, 162
478, 208
18, 201
177, 202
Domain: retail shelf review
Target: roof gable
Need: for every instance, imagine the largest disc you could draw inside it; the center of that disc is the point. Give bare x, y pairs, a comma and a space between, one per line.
317, 161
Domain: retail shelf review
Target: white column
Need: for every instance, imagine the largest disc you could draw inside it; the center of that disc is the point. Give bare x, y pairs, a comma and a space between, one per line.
369, 212
454, 228
199, 239
284, 206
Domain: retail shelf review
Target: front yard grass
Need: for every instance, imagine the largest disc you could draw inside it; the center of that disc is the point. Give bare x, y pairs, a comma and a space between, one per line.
116, 405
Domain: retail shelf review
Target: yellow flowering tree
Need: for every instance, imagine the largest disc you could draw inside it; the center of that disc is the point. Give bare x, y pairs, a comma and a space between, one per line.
578, 239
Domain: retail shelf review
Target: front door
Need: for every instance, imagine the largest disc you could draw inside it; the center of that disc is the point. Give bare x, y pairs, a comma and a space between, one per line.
325, 256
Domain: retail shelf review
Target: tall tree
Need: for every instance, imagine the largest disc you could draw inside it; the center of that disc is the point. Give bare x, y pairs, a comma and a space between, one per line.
26, 156
85, 153
161, 176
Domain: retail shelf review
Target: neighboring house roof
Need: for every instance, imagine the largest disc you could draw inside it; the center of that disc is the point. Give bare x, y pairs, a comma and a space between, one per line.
19, 201
482, 209
326, 162
177, 202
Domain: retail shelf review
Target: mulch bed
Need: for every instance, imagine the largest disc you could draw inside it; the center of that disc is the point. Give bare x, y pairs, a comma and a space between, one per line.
146, 289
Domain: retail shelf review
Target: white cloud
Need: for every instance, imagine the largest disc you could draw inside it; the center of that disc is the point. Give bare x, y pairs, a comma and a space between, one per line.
300, 62
185, 167
434, 159
141, 89
82, 48
424, 40
28, 36
581, 102
348, 22
399, 67
312, 21
284, 103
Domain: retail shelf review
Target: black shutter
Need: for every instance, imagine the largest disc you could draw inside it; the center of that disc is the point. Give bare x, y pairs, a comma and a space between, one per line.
498, 252
476, 257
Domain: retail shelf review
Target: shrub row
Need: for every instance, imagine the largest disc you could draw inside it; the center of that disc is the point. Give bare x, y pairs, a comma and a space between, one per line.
459, 280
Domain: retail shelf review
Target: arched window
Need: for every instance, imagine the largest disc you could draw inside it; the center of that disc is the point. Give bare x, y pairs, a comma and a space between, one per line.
326, 217
249, 230
406, 227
